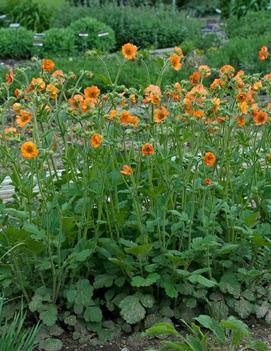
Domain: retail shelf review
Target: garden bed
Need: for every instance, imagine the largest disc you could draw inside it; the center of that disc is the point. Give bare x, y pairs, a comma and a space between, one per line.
138, 227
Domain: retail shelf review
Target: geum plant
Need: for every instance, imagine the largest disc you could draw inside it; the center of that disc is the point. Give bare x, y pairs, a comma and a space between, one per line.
131, 202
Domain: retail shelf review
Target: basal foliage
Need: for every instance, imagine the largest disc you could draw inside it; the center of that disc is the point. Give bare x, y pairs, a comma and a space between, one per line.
136, 204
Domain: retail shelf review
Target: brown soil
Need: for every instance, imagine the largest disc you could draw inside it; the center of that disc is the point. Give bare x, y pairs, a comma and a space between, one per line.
132, 343
260, 330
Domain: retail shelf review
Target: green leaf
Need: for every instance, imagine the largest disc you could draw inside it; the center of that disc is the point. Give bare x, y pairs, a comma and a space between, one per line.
139, 250
37, 233
261, 310
77, 257
213, 325
16, 213
199, 279
244, 308
51, 344
103, 281
93, 314
230, 284
70, 320
175, 346
36, 303
169, 287
239, 329
258, 345
49, 314
147, 300
131, 309
251, 218
84, 292
162, 329
148, 281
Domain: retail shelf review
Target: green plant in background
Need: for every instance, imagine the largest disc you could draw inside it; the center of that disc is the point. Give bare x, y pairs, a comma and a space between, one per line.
240, 8
241, 52
100, 36
59, 42
13, 336
144, 26
15, 43
32, 14
252, 24
228, 335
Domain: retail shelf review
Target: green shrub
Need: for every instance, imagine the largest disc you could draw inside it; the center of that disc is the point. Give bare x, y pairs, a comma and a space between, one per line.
32, 14
15, 43
148, 27
240, 8
93, 28
241, 53
254, 23
144, 26
59, 42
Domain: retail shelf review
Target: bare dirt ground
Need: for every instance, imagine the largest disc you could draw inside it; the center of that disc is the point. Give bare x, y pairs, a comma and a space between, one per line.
260, 330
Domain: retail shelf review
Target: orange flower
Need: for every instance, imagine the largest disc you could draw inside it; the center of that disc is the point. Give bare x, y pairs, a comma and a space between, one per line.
129, 51
37, 83
96, 140
10, 132
175, 96
216, 102
9, 76
152, 90
195, 77
227, 70
267, 76
133, 99
243, 106
221, 119
24, 118
263, 53
92, 92
17, 92
87, 104
175, 61
29, 150
216, 83
78, 104
122, 103
238, 79
125, 117
147, 149
198, 113
209, 159
178, 87
160, 114
257, 85
48, 65
205, 70
260, 117
16, 107
58, 74
53, 91
178, 51
154, 99
76, 100
241, 121
127, 170
112, 114
134, 120
207, 181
